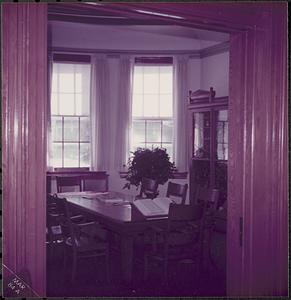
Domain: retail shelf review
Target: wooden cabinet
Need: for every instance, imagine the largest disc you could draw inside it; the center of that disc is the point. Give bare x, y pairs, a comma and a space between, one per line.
208, 116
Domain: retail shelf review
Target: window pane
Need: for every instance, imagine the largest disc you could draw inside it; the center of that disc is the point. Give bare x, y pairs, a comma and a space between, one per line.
138, 132
71, 155
84, 155
57, 129
166, 79
66, 78
54, 104
153, 131
57, 154
151, 80
169, 148
71, 129
167, 131
82, 105
153, 146
222, 115
151, 105
137, 106
137, 145
84, 129
66, 104
55, 80
66, 83
166, 106
78, 87
138, 80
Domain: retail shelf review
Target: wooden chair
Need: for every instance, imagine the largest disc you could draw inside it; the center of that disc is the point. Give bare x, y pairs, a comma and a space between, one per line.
149, 188
68, 184
177, 191
54, 218
182, 238
97, 182
82, 242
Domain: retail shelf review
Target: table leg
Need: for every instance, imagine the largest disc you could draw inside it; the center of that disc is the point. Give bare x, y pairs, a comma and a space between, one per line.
127, 258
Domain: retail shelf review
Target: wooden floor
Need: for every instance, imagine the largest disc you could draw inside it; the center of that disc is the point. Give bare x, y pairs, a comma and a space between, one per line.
90, 280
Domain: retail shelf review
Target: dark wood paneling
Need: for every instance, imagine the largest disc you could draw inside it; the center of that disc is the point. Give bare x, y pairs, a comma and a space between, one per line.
24, 140
258, 175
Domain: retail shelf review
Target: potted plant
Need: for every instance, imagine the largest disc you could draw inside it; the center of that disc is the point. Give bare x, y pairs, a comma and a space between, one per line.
154, 164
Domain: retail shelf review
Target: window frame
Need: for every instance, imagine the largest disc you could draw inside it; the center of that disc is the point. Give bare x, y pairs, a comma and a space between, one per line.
70, 60
155, 62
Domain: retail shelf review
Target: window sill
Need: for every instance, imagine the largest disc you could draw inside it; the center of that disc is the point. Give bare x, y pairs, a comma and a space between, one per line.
176, 175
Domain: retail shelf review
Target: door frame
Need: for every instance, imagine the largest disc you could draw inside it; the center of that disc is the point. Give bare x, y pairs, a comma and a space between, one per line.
258, 148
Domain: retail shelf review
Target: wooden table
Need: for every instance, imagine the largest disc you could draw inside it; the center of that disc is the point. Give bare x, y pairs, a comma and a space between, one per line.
124, 219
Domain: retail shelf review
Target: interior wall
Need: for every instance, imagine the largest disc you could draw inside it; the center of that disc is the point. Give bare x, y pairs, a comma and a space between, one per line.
215, 73
116, 37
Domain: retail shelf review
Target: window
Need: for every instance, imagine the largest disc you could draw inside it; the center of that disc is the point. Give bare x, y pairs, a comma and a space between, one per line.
152, 108
70, 119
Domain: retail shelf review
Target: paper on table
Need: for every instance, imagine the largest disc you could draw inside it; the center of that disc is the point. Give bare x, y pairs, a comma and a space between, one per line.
163, 203
149, 208
86, 194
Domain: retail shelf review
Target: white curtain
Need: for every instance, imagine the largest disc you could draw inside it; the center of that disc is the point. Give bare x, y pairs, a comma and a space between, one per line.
123, 113
181, 131
111, 82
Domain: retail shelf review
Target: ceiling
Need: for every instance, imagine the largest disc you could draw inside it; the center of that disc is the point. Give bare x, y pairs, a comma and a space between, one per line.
96, 14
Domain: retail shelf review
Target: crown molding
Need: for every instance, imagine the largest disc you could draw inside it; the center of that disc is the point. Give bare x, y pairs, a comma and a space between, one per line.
197, 54
213, 50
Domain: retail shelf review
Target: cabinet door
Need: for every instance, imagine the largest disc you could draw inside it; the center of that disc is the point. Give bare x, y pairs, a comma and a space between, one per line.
220, 152
201, 135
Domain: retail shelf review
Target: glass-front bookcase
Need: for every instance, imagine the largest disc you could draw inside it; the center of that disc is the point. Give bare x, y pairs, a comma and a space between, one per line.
209, 142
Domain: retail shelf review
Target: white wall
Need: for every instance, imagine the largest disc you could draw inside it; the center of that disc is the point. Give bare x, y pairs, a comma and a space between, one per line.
215, 72
194, 73
75, 35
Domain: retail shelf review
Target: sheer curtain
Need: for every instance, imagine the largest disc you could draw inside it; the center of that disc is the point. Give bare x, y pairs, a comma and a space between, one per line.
180, 93
99, 112
110, 111
122, 121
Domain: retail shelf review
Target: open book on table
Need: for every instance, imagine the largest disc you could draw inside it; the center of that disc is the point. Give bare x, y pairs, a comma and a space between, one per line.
153, 207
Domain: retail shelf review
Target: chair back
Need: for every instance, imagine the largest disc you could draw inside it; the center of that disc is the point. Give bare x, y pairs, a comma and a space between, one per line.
209, 197
177, 190
68, 227
97, 182
69, 184
149, 188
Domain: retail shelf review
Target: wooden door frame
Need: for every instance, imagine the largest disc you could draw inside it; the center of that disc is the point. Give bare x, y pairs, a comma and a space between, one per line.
257, 46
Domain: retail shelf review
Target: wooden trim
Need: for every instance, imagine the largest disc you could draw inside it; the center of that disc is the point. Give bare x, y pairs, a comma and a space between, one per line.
193, 53
71, 58
176, 175
24, 141
165, 60
202, 53
214, 50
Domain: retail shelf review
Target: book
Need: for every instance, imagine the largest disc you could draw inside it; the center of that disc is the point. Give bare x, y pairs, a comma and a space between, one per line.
153, 207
